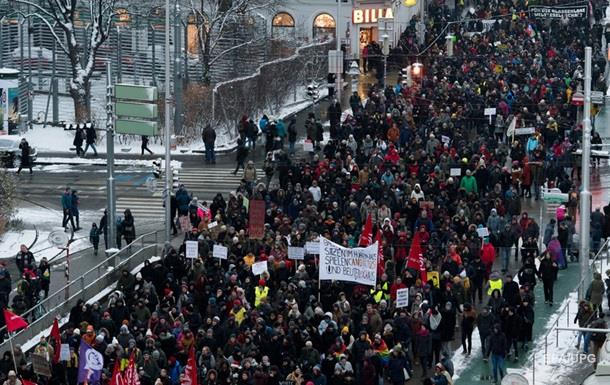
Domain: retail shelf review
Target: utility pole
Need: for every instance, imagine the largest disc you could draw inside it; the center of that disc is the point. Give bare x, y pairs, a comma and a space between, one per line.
585, 194
339, 52
168, 122
111, 198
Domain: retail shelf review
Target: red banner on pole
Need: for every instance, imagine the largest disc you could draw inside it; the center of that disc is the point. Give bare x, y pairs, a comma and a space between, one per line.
256, 224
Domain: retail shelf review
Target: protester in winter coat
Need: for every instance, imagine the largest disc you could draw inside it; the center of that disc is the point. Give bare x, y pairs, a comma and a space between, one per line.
595, 293
497, 346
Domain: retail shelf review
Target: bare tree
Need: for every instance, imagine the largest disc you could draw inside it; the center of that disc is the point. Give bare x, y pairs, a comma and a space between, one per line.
215, 18
62, 14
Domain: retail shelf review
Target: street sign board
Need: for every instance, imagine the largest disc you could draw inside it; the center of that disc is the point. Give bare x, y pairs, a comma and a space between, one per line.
134, 92
137, 110
597, 97
136, 127
335, 61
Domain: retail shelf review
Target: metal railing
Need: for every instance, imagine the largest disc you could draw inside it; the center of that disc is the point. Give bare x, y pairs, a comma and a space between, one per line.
85, 287
601, 259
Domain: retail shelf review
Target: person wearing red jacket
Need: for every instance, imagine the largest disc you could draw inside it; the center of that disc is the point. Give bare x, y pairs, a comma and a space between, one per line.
488, 256
397, 285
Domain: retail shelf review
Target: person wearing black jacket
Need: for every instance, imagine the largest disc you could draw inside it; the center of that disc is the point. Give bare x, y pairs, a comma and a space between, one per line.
78, 141
510, 291
241, 155
208, 135
26, 161
292, 135
497, 347
527, 273
511, 326
24, 259
90, 137
526, 314
477, 276
547, 273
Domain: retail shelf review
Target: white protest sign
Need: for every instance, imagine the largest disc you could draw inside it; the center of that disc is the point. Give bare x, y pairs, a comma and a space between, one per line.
220, 252
312, 247
483, 232
64, 353
525, 131
259, 268
297, 253
402, 297
192, 249
211, 225
455, 172
339, 263
489, 112
308, 146
445, 139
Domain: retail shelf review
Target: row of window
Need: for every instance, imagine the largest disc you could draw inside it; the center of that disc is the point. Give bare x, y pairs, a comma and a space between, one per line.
282, 25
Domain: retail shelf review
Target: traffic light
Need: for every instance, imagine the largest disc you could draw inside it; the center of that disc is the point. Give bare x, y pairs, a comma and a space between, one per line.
312, 91
157, 168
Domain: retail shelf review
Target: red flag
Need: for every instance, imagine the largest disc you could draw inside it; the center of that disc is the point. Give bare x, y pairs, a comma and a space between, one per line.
366, 237
131, 373
190, 371
26, 382
13, 321
416, 259
117, 376
55, 336
380, 260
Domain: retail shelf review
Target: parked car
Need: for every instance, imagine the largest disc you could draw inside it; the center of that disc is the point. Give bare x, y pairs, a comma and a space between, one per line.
10, 153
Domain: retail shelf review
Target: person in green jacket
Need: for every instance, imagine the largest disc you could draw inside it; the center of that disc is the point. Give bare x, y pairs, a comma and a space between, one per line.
469, 183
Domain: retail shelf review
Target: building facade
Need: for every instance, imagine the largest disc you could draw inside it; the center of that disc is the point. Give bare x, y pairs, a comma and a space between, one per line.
359, 21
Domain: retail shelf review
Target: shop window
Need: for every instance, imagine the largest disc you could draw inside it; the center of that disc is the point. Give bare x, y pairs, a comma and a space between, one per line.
324, 27
122, 17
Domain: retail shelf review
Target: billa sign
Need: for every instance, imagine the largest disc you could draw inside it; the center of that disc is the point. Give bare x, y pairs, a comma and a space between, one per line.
370, 15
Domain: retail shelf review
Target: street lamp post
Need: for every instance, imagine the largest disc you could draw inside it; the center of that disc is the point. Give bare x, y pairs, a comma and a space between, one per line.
386, 51
585, 194
168, 122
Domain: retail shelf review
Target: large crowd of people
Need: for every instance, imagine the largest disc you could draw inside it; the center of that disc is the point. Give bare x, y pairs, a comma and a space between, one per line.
434, 175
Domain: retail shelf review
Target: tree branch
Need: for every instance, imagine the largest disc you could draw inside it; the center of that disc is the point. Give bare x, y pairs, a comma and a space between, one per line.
216, 57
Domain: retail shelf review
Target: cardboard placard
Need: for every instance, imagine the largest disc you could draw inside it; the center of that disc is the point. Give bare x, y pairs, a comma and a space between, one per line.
42, 367
489, 111
185, 224
483, 232
402, 298
211, 225
312, 247
435, 277
192, 249
525, 131
259, 268
426, 204
296, 253
455, 172
64, 353
220, 252
308, 146
256, 223
445, 139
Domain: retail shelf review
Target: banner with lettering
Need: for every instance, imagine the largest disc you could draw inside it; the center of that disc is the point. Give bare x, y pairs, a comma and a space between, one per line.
340, 263
549, 12
256, 224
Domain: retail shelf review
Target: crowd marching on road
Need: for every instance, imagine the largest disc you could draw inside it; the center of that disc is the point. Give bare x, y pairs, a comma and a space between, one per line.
417, 169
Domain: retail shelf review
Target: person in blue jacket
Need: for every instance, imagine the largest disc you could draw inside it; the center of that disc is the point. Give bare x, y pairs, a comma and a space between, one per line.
66, 205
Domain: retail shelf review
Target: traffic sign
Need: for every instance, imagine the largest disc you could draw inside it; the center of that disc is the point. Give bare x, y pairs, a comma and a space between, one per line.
136, 127
597, 97
136, 110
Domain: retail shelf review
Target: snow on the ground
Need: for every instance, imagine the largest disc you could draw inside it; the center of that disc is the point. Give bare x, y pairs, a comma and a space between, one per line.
56, 139
12, 240
562, 354
47, 221
102, 162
